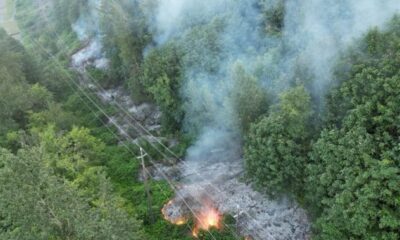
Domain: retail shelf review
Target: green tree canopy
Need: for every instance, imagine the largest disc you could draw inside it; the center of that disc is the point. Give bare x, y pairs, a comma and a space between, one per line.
276, 146
250, 99
36, 204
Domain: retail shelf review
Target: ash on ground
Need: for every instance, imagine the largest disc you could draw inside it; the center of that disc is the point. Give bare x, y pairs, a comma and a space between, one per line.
256, 215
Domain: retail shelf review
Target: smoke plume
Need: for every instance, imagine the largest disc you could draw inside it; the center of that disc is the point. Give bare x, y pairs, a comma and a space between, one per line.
318, 30
87, 28
217, 35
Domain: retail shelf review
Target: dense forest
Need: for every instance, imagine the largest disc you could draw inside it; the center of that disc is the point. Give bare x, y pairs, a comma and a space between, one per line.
330, 142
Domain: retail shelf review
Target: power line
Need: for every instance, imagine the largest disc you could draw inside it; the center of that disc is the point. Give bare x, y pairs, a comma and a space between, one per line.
127, 113
123, 143
105, 114
127, 148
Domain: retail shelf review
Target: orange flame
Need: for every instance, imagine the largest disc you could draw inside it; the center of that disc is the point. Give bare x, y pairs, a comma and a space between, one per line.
206, 219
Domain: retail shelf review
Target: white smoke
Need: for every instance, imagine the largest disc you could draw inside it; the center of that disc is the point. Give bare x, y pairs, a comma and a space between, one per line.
173, 17
88, 23
87, 29
167, 18
214, 36
314, 33
318, 30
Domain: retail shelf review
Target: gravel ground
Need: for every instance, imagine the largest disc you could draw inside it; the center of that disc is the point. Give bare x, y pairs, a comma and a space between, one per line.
257, 215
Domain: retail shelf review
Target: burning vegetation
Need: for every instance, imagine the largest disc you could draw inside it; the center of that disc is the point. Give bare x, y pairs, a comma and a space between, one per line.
209, 217
203, 213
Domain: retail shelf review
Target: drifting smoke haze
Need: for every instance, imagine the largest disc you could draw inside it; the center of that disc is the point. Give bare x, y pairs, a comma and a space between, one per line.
318, 30
215, 36
87, 25
87, 28
314, 34
218, 36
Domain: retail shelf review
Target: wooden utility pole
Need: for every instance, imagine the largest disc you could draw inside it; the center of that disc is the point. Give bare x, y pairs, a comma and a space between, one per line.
146, 186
